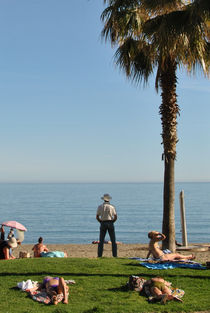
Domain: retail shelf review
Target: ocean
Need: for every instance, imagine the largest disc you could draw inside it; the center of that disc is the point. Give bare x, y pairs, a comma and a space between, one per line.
65, 213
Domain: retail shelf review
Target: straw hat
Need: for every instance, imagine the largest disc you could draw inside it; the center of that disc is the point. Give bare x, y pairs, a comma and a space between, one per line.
12, 242
106, 197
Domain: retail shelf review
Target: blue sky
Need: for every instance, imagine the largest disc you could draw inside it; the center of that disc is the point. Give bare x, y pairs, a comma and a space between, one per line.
69, 115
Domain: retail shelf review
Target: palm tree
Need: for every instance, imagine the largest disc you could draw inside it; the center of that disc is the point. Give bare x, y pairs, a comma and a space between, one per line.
160, 36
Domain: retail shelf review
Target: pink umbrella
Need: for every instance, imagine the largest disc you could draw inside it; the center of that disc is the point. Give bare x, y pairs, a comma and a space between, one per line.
14, 224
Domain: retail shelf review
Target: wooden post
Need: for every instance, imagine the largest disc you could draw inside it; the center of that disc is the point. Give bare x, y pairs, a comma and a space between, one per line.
183, 219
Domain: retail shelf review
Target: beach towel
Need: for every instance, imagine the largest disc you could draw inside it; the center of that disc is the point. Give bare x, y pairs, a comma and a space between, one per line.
41, 296
171, 265
52, 254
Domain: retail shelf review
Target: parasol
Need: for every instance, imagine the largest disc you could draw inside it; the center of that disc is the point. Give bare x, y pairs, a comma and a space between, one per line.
14, 224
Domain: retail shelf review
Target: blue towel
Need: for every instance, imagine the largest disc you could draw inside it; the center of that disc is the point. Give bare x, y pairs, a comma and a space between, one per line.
171, 265
142, 259
52, 254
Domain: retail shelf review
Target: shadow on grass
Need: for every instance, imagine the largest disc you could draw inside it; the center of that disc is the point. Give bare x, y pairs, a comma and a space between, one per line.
123, 288
147, 273
94, 310
164, 274
5, 274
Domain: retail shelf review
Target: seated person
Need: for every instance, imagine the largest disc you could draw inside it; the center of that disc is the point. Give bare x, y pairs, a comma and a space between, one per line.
160, 289
11, 233
39, 248
55, 286
5, 247
2, 233
157, 253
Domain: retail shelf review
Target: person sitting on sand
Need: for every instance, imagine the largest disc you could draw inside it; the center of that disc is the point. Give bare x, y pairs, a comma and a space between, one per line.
39, 248
157, 253
11, 233
55, 287
2, 233
160, 289
5, 247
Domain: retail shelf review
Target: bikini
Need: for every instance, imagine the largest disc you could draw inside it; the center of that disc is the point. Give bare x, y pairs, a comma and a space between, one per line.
48, 279
160, 257
157, 284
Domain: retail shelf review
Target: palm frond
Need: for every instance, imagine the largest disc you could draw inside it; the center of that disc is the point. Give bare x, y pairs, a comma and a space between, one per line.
120, 22
180, 35
163, 28
134, 57
162, 6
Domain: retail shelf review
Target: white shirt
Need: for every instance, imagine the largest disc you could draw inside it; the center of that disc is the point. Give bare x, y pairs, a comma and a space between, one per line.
106, 211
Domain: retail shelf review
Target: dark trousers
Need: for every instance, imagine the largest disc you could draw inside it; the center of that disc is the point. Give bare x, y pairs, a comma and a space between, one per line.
107, 225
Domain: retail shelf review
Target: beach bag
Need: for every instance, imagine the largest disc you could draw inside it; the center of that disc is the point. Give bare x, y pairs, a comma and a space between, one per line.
24, 254
136, 283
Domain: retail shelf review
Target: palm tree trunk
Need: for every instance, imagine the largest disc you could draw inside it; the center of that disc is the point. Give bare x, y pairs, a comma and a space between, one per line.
168, 111
168, 223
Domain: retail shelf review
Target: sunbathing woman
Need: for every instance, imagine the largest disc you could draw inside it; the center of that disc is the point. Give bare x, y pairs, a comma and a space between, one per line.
157, 253
160, 289
55, 287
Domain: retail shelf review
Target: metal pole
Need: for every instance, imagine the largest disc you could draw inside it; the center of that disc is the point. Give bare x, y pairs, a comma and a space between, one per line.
183, 219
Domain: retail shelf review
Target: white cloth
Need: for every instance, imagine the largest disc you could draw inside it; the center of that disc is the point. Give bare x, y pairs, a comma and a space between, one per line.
28, 284
106, 211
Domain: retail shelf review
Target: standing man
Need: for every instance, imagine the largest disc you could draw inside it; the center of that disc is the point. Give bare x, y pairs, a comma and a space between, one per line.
106, 215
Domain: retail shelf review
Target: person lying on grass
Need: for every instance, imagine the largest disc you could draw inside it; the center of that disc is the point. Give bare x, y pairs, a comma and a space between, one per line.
157, 253
55, 287
160, 289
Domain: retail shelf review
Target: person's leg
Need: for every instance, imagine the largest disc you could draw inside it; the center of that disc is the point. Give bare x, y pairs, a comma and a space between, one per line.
163, 296
103, 230
156, 292
111, 231
177, 256
63, 288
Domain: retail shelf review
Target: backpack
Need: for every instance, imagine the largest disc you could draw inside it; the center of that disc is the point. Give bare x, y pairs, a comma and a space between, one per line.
136, 283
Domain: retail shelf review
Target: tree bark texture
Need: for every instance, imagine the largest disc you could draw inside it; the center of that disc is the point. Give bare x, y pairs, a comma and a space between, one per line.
168, 111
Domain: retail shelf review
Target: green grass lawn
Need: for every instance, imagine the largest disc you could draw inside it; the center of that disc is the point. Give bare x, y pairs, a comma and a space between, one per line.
99, 286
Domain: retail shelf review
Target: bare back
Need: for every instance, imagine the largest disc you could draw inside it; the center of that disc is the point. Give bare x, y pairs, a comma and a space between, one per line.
38, 249
155, 249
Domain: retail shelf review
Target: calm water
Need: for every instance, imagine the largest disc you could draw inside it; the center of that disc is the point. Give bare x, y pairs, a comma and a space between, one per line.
65, 213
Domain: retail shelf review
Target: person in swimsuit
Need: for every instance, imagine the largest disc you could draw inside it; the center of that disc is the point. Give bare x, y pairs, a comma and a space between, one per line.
39, 248
160, 289
55, 286
157, 253
5, 246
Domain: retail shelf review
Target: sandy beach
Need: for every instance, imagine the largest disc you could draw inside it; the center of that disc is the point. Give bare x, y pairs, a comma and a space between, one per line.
124, 250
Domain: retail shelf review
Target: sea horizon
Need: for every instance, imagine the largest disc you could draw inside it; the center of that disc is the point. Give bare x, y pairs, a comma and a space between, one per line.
102, 182
65, 213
